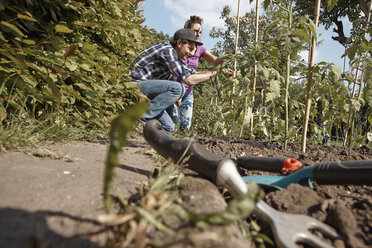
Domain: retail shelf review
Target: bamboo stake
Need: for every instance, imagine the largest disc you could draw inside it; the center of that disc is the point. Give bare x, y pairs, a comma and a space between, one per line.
351, 106
309, 78
288, 73
236, 48
360, 84
286, 101
255, 70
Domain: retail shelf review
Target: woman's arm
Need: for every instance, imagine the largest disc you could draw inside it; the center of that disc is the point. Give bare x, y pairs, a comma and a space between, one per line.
208, 56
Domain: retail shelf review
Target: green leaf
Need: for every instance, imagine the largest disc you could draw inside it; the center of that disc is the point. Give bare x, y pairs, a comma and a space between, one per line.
302, 34
71, 66
88, 47
55, 90
29, 42
296, 39
237, 114
266, 3
3, 113
275, 62
356, 104
269, 97
275, 87
135, 33
247, 116
29, 79
369, 136
331, 4
7, 70
2, 37
83, 86
62, 29
351, 51
19, 61
86, 24
271, 26
13, 27
85, 67
150, 218
131, 84
24, 17
312, 28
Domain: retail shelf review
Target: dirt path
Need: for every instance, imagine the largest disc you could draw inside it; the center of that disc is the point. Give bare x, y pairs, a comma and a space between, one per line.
51, 196
55, 192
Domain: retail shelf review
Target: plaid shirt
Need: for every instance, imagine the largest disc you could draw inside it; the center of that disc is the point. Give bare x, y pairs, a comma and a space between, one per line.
160, 61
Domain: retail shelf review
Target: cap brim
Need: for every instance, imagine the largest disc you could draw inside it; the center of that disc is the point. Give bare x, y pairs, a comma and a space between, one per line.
196, 42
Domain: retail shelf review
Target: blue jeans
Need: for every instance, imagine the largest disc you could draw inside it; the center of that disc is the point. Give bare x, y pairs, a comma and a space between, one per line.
162, 95
186, 108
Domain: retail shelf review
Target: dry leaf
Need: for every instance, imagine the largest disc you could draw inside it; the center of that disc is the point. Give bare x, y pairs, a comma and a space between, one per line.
113, 220
70, 50
62, 72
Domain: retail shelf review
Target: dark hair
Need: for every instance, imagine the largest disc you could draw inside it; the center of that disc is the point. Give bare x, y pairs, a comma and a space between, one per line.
193, 19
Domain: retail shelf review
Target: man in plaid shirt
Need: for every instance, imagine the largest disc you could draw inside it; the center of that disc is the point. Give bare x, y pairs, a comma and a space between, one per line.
159, 71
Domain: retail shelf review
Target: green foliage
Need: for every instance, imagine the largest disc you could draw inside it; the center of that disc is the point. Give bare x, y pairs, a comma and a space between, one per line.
331, 4
331, 10
219, 111
39, 74
246, 32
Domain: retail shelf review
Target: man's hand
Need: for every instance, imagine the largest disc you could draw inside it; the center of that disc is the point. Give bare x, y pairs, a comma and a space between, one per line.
172, 78
179, 102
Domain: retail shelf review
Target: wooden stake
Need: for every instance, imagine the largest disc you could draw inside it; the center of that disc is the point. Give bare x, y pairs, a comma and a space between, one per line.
236, 48
255, 71
309, 78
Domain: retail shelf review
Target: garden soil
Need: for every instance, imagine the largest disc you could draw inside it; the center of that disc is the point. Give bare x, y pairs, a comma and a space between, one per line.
51, 195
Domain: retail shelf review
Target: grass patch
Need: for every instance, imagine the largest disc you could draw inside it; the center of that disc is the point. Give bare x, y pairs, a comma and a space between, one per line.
23, 130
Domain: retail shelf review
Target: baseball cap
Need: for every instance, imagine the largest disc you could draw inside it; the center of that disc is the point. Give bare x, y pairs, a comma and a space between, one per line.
186, 34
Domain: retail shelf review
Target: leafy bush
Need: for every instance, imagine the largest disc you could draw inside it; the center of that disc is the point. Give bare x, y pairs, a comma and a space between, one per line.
68, 57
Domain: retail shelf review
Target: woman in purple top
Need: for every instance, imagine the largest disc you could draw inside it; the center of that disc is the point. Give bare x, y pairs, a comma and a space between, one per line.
186, 103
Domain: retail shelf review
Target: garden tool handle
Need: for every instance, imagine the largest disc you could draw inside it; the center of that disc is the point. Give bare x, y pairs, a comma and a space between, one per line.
270, 164
356, 172
217, 169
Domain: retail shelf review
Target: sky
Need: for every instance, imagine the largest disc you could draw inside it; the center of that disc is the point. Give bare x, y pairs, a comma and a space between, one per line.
170, 15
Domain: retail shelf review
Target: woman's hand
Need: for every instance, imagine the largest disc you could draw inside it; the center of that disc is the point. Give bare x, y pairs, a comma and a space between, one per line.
228, 72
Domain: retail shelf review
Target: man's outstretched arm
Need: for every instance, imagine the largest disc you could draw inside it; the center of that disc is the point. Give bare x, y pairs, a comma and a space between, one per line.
199, 77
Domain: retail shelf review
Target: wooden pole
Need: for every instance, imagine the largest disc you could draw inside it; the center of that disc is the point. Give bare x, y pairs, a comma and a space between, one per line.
309, 78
